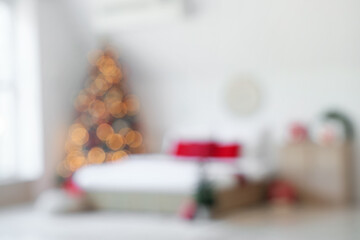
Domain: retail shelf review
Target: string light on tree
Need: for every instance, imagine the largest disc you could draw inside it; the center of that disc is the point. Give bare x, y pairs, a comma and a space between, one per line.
105, 127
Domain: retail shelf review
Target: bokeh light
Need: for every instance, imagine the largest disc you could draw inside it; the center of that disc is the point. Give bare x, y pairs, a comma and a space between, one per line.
118, 155
78, 134
82, 101
132, 104
108, 66
75, 160
114, 94
124, 131
97, 109
96, 155
101, 84
133, 139
104, 125
118, 109
103, 131
70, 147
115, 141
86, 120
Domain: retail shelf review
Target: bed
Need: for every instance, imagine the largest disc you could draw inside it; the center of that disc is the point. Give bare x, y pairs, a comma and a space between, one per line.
157, 182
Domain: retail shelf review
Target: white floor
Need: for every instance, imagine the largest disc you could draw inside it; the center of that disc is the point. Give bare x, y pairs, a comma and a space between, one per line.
24, 223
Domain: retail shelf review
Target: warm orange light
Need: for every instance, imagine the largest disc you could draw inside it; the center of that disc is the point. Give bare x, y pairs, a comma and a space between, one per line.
118, 75
115, 107
86, 120
101, 60
115, 76
82, 101
107, 66
118, 109
75, 160
137, 143
104, 100
115, 141
108, 157
132, 104
93, 90
118, 155
78, 134
101, 84
114, 79
71, 147
103, 131
124, 131
133, 139
97, 109
114, 94
96, 155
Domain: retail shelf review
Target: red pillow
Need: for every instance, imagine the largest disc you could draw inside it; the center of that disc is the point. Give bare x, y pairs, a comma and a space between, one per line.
194, 149
207, 150
226, 150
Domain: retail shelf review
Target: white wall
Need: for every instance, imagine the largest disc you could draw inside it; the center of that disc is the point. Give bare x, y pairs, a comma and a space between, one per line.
64, 44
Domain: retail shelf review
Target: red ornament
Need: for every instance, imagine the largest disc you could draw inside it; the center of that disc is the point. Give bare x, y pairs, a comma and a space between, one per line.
188, 210
298, 132
71, 188
281, 191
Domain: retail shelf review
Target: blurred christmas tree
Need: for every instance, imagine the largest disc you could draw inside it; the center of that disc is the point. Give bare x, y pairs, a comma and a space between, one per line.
105, 128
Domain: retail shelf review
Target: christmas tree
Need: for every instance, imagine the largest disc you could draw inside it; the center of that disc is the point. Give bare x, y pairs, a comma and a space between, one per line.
105, 128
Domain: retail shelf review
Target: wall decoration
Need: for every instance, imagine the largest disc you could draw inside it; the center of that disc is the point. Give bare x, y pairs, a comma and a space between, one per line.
242, 96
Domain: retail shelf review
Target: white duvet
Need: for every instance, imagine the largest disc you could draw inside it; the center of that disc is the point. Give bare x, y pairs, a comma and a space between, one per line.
153, 173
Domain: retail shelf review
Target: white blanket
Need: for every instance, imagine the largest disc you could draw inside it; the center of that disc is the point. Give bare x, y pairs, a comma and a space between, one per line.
153, 173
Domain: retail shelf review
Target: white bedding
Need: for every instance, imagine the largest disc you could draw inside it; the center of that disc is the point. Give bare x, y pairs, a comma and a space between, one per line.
152, 173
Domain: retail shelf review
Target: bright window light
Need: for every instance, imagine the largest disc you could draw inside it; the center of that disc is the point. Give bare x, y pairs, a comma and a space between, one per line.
20, 105
7, 95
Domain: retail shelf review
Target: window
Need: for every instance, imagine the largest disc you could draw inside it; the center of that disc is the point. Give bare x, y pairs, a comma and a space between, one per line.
20, 118
7, 93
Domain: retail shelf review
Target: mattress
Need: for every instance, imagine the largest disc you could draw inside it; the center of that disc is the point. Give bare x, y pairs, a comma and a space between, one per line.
151, 182
152, 173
